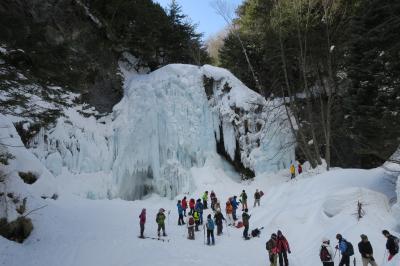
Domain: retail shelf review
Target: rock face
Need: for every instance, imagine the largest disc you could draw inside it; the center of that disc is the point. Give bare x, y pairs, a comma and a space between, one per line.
169, 121
62, 43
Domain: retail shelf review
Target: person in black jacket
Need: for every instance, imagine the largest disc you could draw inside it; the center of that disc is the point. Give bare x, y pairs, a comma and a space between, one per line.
392, 244
218, 217
366, 251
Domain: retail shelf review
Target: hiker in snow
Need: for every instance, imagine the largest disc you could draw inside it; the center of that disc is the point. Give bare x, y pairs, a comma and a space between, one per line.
199, 208
192, 203
366, 251
235, 206
272, 250
184, 205
257, 197
210, 230
229, 210
196, 217
180, 213
326, 253
299, 169
282, 246
344, 249
205, 199
190, 225
213, 199
243, 200
142, 221
160, 219
245, 219
292, 171
218, 217
392, 244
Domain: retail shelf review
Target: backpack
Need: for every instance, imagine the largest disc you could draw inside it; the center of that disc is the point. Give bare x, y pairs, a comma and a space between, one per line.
350, 249
210, 224
255, 232
324, 254
261, 194
191, 221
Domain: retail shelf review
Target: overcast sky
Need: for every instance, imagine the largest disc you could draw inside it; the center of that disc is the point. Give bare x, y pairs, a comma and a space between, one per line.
202, 13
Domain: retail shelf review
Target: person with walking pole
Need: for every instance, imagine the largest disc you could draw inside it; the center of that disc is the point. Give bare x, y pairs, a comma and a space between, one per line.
366, 251
392, 244
346, 250
326, 253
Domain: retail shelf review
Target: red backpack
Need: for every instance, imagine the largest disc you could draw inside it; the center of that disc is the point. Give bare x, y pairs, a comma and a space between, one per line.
191, 220
324, 254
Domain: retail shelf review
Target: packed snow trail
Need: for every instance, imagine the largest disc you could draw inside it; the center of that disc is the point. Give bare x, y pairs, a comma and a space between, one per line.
77, 231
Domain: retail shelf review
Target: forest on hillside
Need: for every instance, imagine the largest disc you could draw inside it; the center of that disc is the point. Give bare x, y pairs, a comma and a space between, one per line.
337, 65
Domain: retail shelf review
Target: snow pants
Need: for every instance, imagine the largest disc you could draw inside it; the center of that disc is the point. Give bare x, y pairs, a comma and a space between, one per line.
246, 231
205, 204
141, 230
273, 259
210, 234
330, 263
219, 229
230, 218
367, 261
191, 211
234, 214
180, 220
184, 212
161, 227
345, 260
257, 202
283, 260
191, 232
244, 205
197, 226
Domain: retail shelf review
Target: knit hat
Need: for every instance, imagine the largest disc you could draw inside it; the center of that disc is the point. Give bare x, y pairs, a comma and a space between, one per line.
364, 237
325, 240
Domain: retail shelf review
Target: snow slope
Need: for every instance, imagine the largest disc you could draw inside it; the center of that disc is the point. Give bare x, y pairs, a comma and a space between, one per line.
168, 122
78, 231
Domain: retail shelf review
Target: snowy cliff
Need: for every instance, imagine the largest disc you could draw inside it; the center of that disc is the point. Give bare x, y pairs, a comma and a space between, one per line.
167, 122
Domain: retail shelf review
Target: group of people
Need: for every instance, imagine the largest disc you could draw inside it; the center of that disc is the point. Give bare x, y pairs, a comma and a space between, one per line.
293, 170
346, 250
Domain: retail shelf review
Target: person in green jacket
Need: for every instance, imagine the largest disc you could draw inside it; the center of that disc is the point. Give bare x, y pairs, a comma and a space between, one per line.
205, 199
160, 219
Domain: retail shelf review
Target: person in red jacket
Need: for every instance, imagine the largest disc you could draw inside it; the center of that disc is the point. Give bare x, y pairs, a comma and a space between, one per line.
299, 169
192, 203
142, 221
184, 205
282, 246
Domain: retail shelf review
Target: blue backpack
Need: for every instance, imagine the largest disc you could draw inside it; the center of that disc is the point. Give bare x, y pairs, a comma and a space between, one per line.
210, 224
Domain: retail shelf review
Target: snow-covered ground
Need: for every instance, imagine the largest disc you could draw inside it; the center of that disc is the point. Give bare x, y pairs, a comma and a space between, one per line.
74, 230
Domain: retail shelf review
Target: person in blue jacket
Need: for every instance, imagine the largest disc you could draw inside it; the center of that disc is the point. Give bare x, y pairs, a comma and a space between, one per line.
342, 246
210, 230
180, 213
199, 208
235, 205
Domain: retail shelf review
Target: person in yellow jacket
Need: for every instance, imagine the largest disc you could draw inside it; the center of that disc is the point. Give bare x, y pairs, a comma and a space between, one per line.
292, 171
205, 199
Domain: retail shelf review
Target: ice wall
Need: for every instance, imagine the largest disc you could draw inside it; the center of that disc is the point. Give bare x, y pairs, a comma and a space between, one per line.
169, 121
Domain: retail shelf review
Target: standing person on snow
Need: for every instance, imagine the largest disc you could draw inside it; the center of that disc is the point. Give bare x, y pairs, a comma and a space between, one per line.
392, 244
190, 225
213, 198
299, 169
192, 203
245, 219
292, 171
160, 219
326, 253
235, 206
205, 199
272, 250
243, 199
229, 210
343, 247
218, 217
210, 230
180, 213
142, 222
199, 209
184, 205
196, 217
366, 251
257, 197
283, 248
